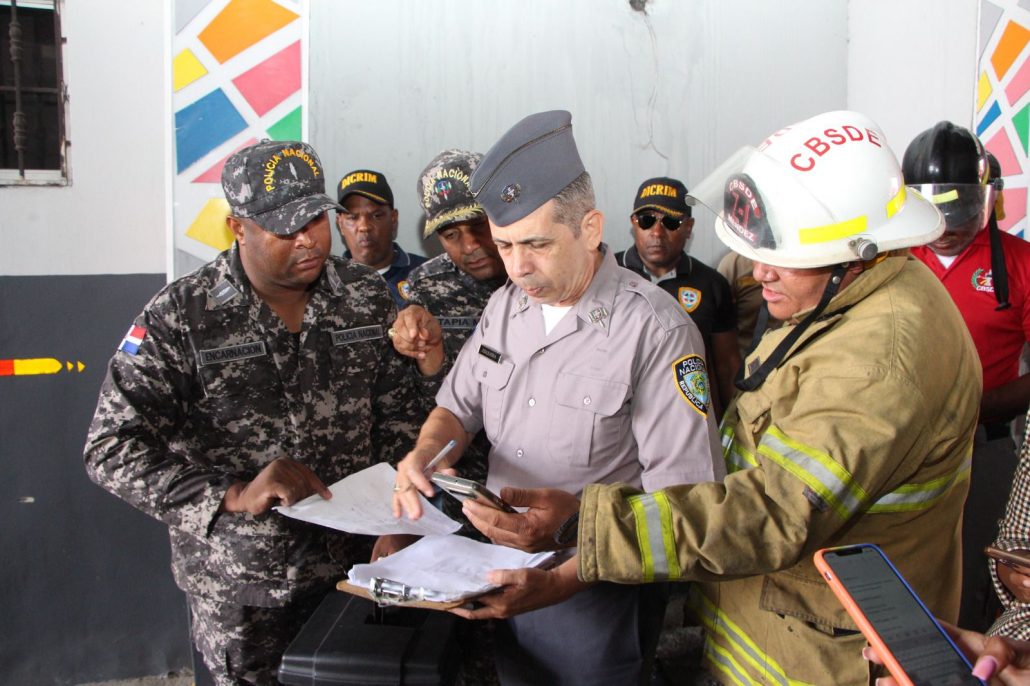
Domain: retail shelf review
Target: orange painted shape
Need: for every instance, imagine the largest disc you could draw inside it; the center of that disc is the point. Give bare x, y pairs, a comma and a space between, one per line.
1012, 42
6, 367
242, 24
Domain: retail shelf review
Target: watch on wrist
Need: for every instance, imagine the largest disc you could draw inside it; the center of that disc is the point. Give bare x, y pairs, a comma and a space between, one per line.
569, 529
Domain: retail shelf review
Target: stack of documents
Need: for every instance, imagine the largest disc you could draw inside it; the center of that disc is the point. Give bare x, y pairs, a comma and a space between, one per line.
438, 568
444, 568
361, 504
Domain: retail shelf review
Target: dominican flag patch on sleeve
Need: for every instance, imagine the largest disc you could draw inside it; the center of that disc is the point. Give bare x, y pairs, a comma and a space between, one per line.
133, 340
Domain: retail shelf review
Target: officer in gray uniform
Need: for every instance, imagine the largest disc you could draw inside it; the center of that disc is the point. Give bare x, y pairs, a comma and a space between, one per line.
251, 382
579, 370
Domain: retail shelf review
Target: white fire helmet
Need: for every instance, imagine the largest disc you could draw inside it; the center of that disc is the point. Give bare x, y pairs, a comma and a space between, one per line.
825, 191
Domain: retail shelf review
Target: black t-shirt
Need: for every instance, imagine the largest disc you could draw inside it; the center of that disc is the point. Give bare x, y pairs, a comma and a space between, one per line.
702, 292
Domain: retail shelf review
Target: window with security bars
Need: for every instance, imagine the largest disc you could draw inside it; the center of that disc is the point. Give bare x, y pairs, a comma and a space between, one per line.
32, 132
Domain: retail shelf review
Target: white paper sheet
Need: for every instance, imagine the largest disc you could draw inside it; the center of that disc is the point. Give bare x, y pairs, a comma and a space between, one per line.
361, 505
445, 567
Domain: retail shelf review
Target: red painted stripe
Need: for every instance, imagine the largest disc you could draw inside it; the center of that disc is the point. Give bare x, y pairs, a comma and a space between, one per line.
6, 367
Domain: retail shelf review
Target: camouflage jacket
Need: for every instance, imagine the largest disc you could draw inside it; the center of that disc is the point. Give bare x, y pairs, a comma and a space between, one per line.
457, 301
218, 388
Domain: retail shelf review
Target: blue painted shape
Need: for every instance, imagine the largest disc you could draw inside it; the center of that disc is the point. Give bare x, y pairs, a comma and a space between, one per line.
202, 126
988, 119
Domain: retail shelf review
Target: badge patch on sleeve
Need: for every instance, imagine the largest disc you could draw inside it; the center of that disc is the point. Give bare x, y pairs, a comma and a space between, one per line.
133, 340
692, 381
404, 288
689, 298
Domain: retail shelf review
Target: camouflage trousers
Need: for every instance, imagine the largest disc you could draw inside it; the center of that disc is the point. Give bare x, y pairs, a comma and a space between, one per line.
242, 644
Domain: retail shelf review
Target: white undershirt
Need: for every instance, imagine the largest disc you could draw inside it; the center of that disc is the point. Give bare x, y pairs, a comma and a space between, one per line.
946, 260
552, 315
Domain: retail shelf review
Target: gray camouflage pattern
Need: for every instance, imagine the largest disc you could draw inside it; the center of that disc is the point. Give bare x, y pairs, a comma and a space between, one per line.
278, 184
243, 644
457, 301
443, 190
199, 407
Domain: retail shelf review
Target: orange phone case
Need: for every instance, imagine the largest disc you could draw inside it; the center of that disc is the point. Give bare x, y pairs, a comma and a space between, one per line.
889, 661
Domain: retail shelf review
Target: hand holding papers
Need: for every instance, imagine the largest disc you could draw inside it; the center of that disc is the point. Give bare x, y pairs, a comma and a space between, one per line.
361, 504
441, 569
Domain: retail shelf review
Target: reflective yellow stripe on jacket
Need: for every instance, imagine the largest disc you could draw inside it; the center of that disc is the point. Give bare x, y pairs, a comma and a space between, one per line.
830, 480
728, 646
910, 497
654, 536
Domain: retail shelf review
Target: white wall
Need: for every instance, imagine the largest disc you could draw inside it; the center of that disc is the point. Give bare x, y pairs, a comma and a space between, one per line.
671, 92
111, 218
395, 81
912, 64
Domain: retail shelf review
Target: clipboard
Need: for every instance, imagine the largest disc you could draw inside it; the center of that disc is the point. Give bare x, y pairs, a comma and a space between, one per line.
386, 592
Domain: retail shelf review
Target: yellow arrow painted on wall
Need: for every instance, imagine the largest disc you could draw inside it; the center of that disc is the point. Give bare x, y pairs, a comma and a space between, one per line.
37, 365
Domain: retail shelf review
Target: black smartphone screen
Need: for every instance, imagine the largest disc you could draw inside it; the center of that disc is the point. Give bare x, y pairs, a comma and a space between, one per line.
899, 618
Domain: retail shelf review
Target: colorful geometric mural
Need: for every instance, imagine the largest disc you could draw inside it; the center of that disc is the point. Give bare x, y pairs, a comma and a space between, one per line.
236, 76
1003, 101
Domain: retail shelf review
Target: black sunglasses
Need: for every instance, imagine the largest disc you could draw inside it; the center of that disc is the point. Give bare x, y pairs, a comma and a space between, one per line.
647, 220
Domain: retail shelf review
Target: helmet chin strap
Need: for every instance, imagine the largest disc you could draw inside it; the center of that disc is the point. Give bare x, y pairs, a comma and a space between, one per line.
999, 271
756, 379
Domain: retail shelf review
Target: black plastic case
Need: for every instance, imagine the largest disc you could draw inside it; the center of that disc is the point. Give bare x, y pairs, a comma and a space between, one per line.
350, 641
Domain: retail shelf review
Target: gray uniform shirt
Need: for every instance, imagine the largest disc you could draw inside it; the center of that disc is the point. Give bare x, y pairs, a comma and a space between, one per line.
617, 392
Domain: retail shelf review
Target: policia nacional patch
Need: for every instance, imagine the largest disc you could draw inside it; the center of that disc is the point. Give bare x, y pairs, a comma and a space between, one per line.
692, 381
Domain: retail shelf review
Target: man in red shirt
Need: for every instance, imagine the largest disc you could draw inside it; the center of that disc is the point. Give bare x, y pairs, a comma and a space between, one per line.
987, 273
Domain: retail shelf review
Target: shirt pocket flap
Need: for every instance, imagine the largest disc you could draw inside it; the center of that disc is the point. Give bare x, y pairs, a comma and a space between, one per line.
600, 396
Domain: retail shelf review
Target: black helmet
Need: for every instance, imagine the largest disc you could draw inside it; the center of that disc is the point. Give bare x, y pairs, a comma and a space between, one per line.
951, 168
948, 166
945, 154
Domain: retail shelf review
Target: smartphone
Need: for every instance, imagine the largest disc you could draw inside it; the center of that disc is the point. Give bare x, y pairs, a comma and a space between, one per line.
464, 489
914, 647
1017, 559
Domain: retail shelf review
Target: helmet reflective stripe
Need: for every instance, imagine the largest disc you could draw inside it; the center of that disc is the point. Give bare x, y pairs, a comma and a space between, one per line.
655, 539
848, 227
827, 191
947, 196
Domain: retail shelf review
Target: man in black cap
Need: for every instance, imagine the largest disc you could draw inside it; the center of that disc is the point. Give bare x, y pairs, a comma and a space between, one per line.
253, 382
661, 225
578, 370
367, 222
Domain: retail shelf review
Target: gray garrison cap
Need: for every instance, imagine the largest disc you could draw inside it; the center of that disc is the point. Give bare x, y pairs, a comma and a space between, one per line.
278, 184
533, 162
443, 190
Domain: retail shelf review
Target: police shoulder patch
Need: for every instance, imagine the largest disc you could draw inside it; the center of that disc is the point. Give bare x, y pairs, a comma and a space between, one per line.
689, 298
692, 380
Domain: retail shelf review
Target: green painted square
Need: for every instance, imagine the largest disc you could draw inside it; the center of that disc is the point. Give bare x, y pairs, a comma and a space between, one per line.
287, 128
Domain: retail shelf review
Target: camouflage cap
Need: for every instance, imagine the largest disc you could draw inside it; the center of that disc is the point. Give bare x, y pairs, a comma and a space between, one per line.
371, 184
443, 190
667, 195
278, 184
533, 162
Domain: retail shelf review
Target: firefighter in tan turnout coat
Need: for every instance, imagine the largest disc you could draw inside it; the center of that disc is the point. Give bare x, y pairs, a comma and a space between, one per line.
854, 422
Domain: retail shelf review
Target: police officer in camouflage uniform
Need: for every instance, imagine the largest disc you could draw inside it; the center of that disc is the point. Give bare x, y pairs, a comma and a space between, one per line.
453, 287
255, 381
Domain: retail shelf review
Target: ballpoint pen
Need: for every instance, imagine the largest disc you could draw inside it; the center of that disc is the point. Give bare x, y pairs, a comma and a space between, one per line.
439, 456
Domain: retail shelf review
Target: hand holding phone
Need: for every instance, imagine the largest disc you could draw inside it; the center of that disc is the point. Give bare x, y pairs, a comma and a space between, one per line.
465, 489
1013, 571
913, 646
